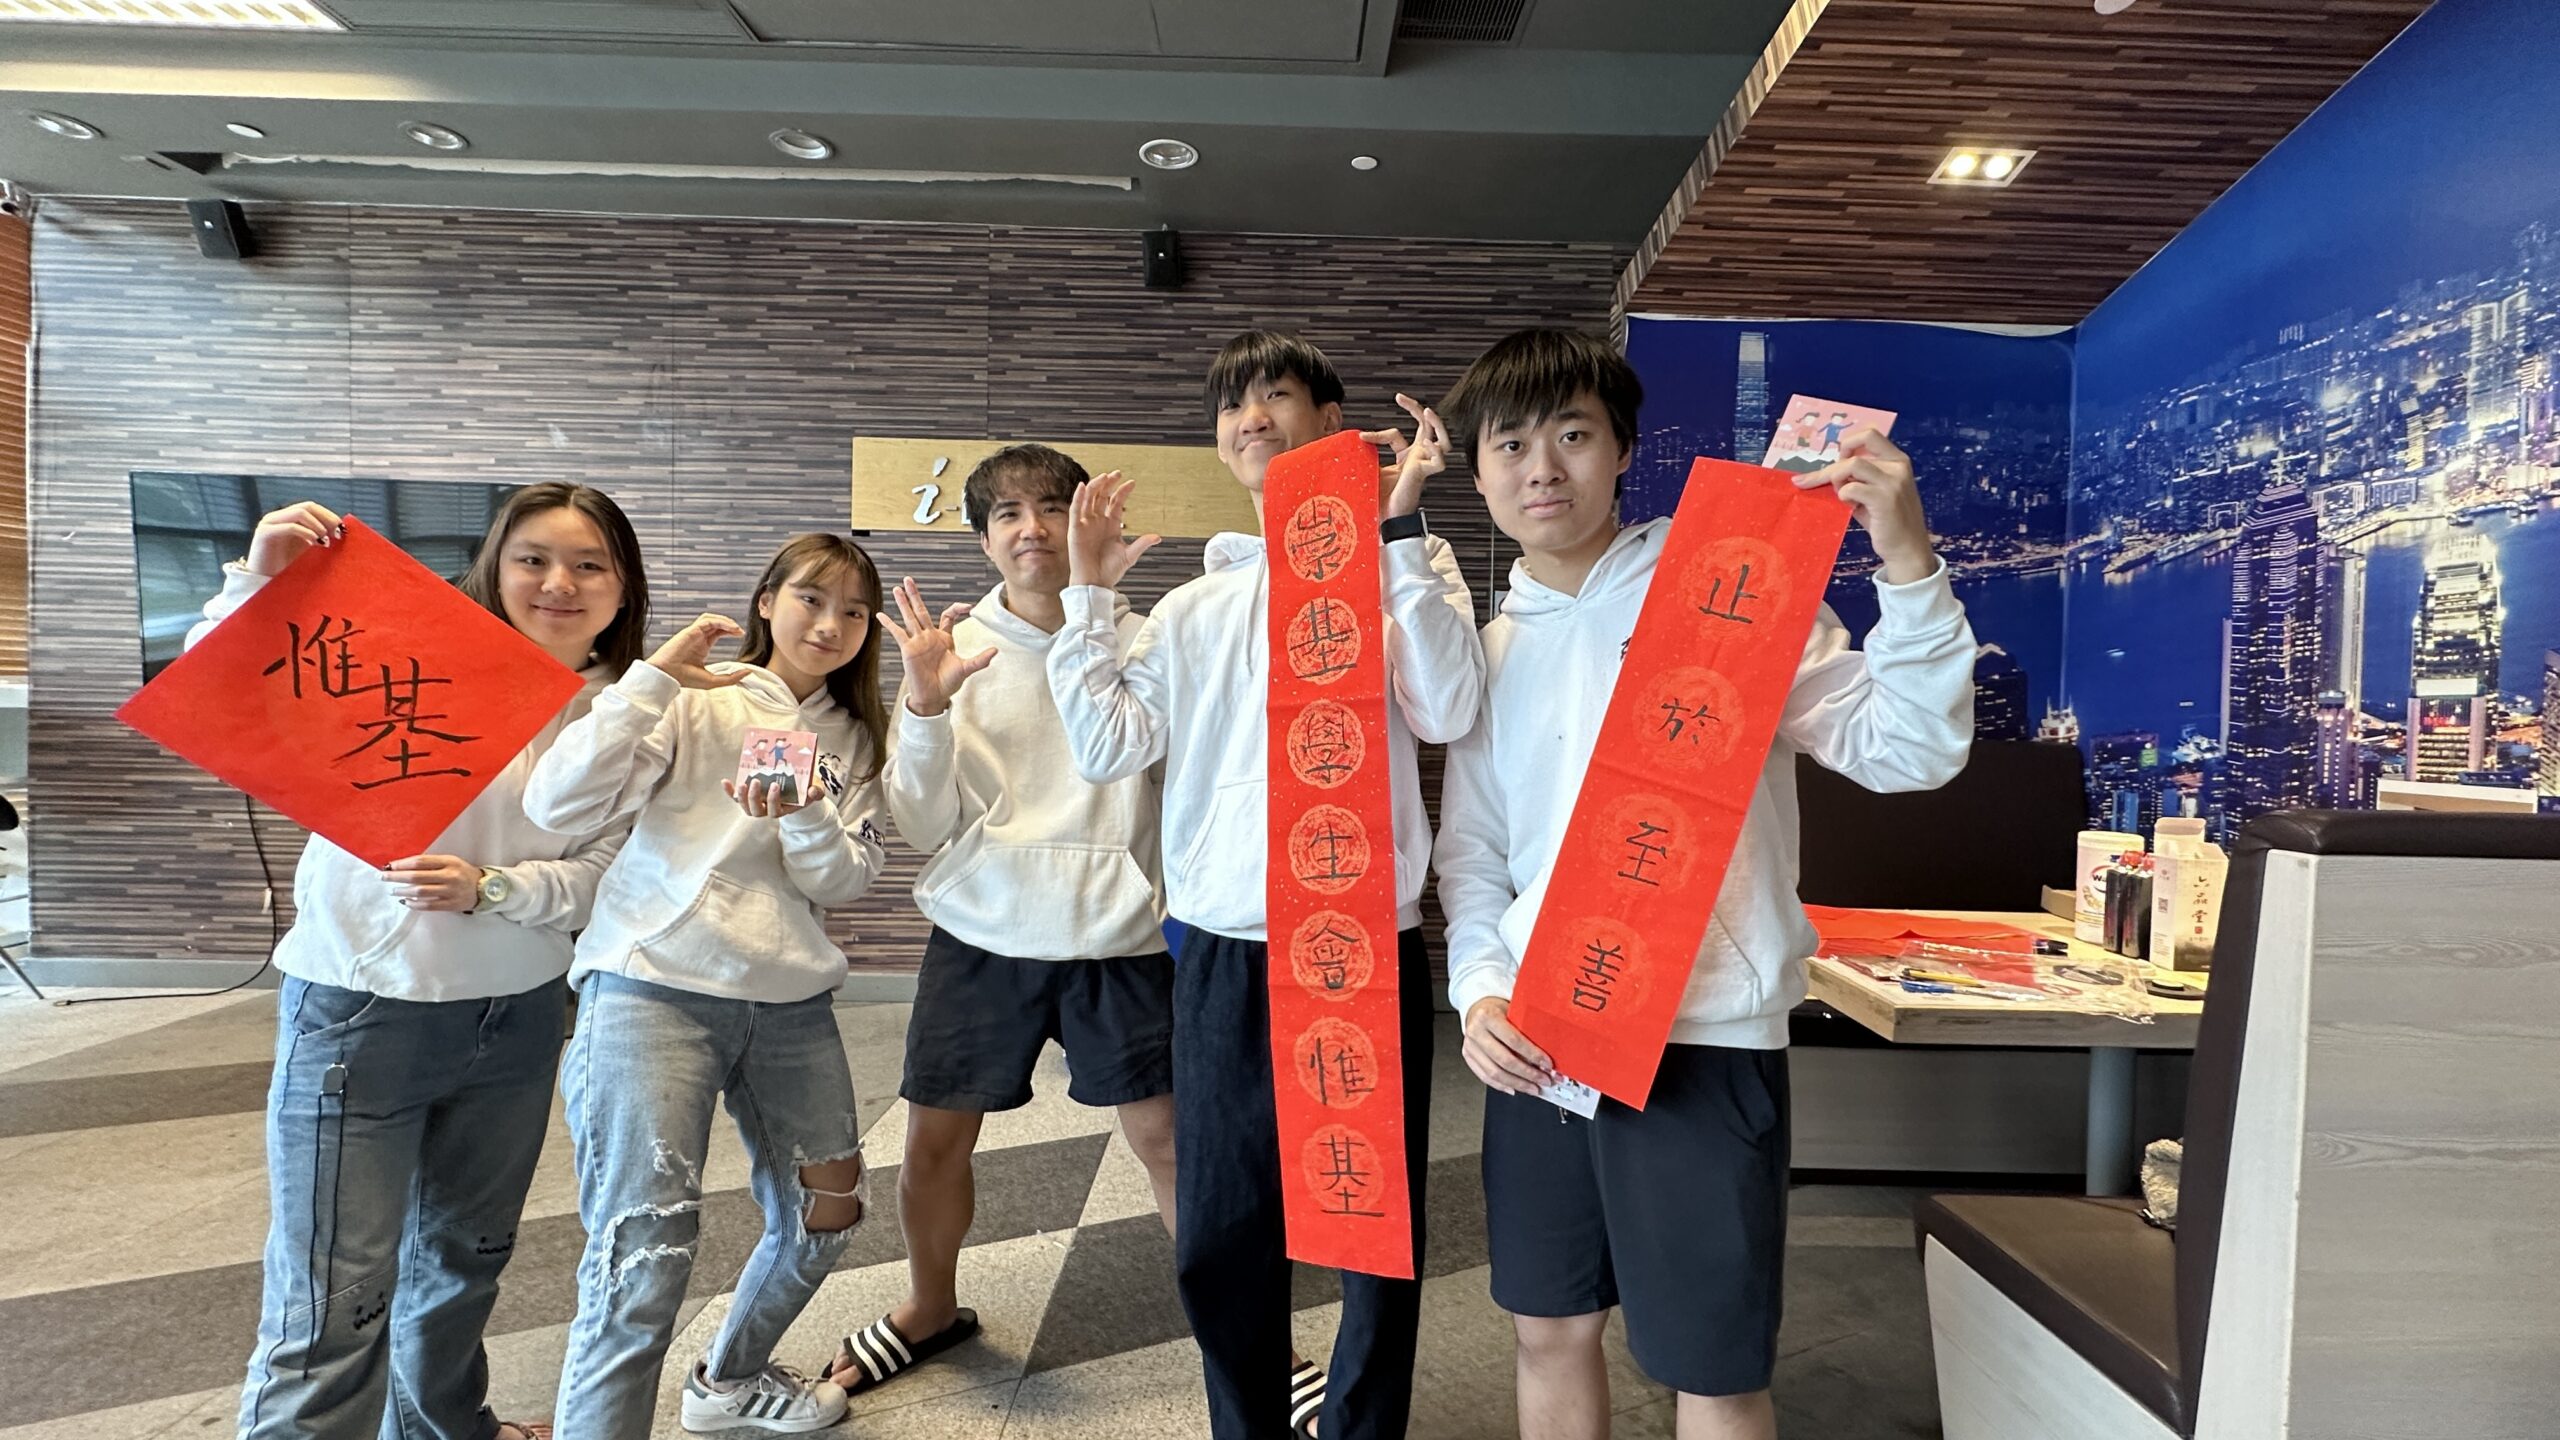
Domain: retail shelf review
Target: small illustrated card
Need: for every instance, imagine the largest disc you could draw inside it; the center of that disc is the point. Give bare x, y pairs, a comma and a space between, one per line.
1571, 1094
784, 759
1808, 433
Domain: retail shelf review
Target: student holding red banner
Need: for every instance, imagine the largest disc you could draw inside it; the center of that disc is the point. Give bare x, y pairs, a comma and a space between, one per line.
1190, 691
1042, 892
420, 1022
1676, 1211
708, 973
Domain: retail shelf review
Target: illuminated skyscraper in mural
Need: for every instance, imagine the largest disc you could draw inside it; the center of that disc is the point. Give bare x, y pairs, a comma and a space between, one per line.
2497, 354
2340, 783
2275, 634
1999, 696
2453, 660
2547, 752
1751, 398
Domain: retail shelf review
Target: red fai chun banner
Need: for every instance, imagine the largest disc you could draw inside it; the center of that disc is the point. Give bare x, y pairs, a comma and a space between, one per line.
1336, 1070
1674, 768
359, 694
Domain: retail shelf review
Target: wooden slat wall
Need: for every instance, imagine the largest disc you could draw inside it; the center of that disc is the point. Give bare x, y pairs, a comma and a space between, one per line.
1821, 208
710, 374
17, 324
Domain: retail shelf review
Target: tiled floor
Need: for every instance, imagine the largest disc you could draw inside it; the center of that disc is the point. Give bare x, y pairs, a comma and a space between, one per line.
133, 1207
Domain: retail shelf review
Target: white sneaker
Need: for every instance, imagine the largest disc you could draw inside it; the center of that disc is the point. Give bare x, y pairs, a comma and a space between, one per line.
778, 1398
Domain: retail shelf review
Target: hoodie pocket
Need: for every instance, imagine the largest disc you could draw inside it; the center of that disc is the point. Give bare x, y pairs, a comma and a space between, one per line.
1239, 807
741, 923
752, 925
1047, 894
1723, 985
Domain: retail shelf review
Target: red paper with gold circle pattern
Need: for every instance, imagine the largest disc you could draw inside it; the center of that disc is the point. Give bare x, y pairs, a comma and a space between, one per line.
1673, 771
1337, 1070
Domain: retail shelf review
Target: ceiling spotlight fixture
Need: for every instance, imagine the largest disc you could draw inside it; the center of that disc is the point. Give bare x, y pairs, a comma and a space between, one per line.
63, 125
801, 145
195, 14
2113, 7
245, 132
1364, 162
1981, 165
1168, 155
434, 137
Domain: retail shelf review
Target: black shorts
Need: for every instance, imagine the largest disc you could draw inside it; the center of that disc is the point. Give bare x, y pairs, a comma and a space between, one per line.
980, 1020
1677, 1212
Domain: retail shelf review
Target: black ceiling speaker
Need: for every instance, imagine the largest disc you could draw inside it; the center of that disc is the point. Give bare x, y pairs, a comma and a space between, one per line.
222, 232
1163, 259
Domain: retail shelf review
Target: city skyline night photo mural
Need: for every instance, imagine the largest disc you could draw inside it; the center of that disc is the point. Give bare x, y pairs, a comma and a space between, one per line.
2314, 554
2276, 526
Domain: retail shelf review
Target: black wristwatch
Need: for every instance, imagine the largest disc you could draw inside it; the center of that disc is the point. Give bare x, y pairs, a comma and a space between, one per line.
1400, 527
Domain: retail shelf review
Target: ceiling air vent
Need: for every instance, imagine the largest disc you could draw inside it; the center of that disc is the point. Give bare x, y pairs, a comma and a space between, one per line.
1475, 22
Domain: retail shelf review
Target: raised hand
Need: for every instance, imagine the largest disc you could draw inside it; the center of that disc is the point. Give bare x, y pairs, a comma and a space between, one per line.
1874, 476
687, 653
1415, 464
935, 667
282, 536
1096, 555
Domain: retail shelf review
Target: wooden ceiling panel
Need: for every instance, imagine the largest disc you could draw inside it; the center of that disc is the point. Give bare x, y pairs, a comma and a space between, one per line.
1821, 206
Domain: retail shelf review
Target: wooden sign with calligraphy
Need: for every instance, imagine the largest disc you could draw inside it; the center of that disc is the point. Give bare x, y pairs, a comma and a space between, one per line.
1336, 1062
358, 693
1678, 758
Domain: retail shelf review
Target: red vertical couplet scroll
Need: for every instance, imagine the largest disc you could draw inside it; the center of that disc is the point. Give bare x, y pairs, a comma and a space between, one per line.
1677, 760
359, 693
1336, 1067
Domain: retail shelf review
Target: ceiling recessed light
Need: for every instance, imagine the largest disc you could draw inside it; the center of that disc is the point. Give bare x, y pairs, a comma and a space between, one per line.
196, 14
1364, 162
2114, 7
63, 125
245, 132
434, 137
801, 145
1168, 155
1981, 165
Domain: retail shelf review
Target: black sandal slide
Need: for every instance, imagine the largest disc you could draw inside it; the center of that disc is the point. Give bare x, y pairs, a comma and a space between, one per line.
1306, 1398
878, 1354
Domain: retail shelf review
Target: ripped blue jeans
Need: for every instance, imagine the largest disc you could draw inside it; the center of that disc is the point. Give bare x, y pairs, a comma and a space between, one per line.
640, 1080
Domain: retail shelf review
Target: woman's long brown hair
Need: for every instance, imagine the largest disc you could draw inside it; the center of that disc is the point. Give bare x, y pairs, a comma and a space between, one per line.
815, 559
619, 644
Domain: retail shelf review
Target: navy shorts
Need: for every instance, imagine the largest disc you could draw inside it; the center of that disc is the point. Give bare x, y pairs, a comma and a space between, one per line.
1676, 1213
980, 1020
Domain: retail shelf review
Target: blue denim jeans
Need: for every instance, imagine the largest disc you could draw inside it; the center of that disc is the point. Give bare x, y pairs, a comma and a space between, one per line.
401, 1137
643, 1073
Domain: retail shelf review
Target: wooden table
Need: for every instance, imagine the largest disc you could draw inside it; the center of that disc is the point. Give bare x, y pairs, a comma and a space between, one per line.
1908, 1019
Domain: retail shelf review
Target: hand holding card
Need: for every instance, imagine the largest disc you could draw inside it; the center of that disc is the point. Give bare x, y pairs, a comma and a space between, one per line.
778, 767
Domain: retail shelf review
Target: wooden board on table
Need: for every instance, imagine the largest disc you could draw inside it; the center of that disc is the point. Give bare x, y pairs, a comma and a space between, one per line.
1907, 1019
1184, 491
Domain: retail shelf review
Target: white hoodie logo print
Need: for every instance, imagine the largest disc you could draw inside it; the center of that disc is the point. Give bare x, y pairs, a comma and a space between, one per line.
831, 772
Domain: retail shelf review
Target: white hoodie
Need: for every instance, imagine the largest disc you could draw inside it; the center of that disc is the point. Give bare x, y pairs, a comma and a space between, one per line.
705, 897
1030, 859
351, 930
1192, 693
1897, 717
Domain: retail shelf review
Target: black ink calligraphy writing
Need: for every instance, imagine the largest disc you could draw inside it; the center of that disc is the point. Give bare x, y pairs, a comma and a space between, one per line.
1597, 974
1720, 606
324, 659
1644, 851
